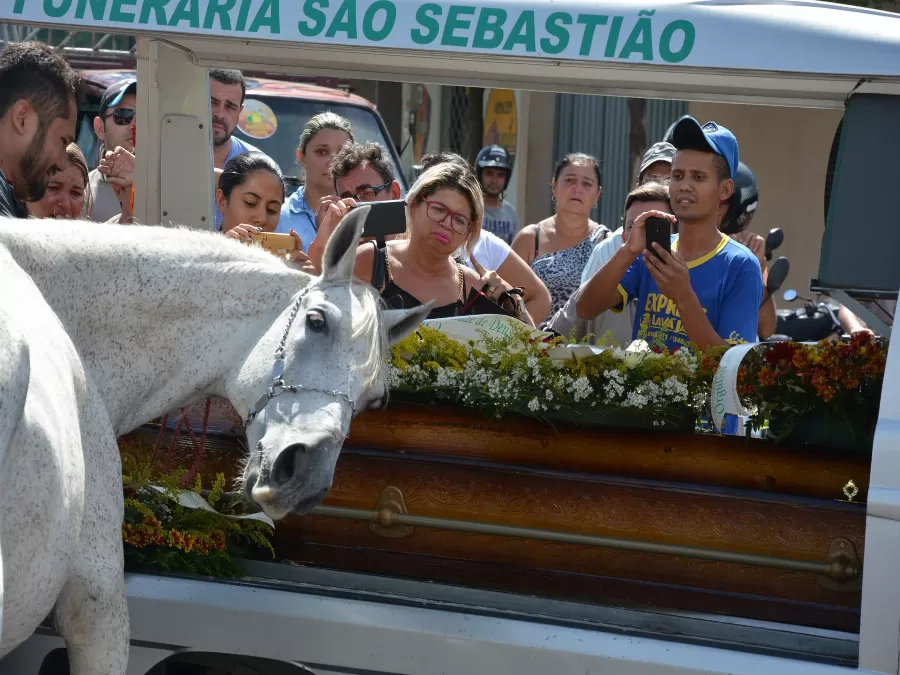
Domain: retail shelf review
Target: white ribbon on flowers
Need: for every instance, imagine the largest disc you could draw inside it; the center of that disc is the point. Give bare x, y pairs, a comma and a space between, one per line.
724, 399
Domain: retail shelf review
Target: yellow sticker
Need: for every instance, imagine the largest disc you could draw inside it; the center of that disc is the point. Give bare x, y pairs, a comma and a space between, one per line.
257, 120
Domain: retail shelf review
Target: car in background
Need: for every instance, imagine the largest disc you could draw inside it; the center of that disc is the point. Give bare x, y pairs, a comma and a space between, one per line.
274, 114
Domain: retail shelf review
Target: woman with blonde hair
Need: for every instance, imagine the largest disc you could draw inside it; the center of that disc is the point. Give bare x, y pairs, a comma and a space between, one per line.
444, 212
68, 193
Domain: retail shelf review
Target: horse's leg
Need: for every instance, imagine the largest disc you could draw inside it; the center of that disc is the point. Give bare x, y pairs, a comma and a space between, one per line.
91, 612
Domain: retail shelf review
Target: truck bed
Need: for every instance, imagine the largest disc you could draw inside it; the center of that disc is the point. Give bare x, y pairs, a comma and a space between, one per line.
340, 622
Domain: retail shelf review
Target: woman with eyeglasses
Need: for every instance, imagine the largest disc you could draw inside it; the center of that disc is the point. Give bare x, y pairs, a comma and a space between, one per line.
445, 208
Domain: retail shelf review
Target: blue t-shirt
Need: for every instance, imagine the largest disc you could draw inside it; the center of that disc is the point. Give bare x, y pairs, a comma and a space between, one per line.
727, 282
238, 147
297, 215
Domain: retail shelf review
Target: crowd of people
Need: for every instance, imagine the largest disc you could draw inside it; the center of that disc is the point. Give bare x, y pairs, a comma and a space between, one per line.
463, 246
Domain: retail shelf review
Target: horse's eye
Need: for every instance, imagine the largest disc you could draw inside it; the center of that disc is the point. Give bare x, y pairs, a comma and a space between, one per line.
315, 320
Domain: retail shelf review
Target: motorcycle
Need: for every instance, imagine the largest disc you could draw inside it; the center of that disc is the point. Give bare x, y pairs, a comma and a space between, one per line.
817, 320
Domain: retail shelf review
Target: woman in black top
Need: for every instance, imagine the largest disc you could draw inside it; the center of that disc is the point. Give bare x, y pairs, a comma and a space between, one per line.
444, 212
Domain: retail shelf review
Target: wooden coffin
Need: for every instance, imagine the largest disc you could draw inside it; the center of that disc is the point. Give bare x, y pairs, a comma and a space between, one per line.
709, 492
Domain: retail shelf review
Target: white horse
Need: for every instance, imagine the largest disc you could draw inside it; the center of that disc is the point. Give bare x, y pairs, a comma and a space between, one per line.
122, 324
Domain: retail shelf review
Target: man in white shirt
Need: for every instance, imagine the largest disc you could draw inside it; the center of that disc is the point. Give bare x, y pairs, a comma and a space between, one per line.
655, 168
115, 127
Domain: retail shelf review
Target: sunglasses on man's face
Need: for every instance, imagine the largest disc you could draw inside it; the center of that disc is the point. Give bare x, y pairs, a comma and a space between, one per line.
122, 116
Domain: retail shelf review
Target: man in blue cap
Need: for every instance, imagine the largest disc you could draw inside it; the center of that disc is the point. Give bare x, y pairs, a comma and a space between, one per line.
115, 126
707, 290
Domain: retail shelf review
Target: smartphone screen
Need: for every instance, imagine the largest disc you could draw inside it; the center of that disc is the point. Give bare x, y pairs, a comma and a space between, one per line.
385, 218
658, 230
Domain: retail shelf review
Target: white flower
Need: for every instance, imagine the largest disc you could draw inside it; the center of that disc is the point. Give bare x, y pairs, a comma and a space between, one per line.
534, 405
548, 395
634, 357
615, 385
688, 358
582, 388
674, 390
635, 399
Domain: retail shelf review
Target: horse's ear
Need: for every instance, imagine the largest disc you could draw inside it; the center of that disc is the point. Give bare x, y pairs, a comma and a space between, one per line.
340, 252
402, 322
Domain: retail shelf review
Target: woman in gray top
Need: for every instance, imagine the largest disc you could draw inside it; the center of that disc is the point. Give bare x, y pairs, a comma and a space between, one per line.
559, 247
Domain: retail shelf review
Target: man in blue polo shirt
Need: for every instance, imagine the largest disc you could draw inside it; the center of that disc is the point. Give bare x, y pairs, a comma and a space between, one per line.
707, 290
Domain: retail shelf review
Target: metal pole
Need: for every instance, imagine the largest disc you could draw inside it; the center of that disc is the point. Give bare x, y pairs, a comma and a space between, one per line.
839, 571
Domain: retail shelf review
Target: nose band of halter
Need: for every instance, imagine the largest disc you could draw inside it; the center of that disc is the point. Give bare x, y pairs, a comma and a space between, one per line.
278, 386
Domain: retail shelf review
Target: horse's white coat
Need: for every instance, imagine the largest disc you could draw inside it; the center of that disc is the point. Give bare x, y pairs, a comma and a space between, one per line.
121, 325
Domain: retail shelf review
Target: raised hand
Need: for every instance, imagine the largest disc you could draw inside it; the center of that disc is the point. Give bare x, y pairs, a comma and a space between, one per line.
637, 240
491, 283
670, 274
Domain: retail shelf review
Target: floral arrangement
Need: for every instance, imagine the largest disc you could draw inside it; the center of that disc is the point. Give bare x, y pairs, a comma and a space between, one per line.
159, 531
516, 375
839, 382
644, 384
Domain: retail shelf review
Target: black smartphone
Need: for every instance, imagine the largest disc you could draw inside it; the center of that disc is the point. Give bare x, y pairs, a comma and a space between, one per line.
658, 230
384, 218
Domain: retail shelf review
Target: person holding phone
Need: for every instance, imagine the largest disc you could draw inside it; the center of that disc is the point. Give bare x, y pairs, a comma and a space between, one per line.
361, 173
706, 289
645, 197
444, 212
249, 196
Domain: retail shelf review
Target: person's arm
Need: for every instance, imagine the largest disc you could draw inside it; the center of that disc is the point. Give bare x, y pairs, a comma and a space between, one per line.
364, 267
523, 243
852, 324
768, 318
767, 315
518, 274
610, 287
329, 213
604, 290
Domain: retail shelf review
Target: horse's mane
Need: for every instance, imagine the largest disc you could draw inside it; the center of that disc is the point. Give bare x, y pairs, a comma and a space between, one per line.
367, 323
172, 243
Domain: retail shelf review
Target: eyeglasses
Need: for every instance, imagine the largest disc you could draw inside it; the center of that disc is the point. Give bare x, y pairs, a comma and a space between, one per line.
438, 212
368, 193
121, 116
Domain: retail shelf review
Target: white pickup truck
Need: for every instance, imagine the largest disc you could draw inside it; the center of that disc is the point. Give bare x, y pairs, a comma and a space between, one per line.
294, 618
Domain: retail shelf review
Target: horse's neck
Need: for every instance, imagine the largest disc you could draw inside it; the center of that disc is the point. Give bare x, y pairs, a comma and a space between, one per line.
156, 326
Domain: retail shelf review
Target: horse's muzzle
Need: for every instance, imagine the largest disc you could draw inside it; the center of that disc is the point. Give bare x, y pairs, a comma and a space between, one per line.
295, 479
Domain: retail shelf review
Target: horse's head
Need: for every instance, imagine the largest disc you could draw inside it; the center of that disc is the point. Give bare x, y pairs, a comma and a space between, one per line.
329, 350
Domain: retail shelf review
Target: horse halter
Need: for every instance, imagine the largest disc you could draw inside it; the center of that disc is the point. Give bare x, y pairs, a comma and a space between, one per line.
278, 386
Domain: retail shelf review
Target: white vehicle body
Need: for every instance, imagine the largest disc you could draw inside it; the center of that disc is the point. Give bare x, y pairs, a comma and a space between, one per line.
795, 52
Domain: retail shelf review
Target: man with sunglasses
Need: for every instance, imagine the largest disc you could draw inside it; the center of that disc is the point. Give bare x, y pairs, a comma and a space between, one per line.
362, 172
115, 127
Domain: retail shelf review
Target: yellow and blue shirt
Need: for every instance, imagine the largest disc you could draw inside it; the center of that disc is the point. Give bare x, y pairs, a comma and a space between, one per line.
727, 282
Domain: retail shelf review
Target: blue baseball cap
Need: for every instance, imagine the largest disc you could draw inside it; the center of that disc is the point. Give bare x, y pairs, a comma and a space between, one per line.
688, 134
114, 93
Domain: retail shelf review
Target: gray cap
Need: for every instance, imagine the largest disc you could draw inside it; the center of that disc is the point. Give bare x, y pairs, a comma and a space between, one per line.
658, 152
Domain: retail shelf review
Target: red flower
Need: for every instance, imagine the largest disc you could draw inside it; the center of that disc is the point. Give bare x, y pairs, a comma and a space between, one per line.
780, 351
860, 339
